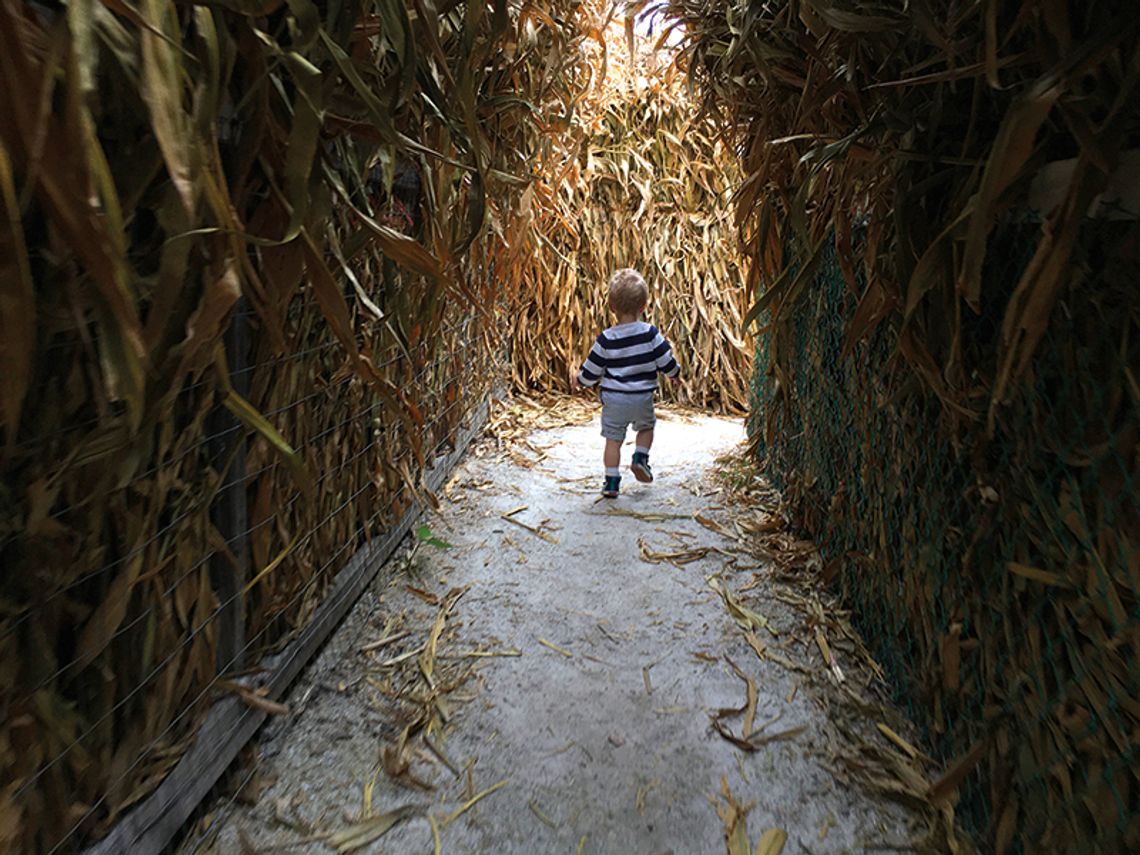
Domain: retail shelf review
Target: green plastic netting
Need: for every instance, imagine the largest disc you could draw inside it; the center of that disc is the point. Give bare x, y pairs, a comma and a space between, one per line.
994, 578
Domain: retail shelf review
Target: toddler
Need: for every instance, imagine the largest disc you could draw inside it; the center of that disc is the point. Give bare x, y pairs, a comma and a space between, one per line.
625, 360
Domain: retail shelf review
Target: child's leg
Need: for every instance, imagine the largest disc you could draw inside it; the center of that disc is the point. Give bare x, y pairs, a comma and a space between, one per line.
640, 464
644, 427
645, 440
643, 422
613, 429
612, 455
612, 458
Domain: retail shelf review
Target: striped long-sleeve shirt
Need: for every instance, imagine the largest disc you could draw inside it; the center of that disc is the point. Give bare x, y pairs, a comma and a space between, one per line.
627, 358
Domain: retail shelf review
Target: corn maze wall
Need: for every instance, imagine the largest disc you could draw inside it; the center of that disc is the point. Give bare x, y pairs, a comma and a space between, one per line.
247, 291
997, 579
647, 183
946, 383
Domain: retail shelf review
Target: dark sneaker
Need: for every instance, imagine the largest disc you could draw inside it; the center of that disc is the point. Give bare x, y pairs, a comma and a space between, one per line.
640, 467
611, 486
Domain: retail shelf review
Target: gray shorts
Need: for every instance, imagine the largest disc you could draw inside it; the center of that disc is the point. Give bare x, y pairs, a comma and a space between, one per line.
620, 411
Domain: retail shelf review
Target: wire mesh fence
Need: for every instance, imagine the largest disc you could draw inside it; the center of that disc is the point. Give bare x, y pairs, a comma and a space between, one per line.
145, 575
996, 573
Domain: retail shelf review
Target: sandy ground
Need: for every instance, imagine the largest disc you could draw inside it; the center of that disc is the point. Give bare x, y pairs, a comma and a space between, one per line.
600, 728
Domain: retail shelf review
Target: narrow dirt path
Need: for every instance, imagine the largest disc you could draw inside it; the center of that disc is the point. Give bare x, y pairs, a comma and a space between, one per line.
600, 726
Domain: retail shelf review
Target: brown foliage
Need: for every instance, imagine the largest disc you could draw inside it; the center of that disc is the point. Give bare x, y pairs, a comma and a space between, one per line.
944, 366
164, 170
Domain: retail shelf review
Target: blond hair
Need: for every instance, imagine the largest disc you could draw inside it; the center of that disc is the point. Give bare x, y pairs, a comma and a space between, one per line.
628, 292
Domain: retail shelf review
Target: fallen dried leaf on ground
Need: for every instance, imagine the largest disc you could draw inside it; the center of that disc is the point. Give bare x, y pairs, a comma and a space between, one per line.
467, 805
403, 657
644, 516
642, 794
484, 654
828, 656
745, 617
733, 814
386, 640
677, 558
428, 597
901, 743
708, 522
438, 751
396, 761
749, 708
755, 741
427, 660
556, 648
254, 698
360, 834
771, 842
535, 530
537, 811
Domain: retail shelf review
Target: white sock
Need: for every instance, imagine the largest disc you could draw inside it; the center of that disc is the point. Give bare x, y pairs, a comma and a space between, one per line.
613, 470
642, 450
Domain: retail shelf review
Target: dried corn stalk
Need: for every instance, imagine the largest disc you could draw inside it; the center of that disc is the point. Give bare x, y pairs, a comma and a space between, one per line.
645, 182
946, 387
339, 181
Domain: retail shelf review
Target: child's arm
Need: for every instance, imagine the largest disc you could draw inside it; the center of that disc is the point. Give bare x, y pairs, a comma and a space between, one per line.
663, 356
594, 366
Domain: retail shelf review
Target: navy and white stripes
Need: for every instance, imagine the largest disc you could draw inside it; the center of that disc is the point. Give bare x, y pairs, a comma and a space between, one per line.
627, 358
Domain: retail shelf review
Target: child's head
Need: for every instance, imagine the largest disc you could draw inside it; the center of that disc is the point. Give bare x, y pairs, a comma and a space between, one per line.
628, 292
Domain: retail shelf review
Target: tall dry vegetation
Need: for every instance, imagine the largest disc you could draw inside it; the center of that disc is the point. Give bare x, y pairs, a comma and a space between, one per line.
957, 419
645, 181
161, 162
925, 121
